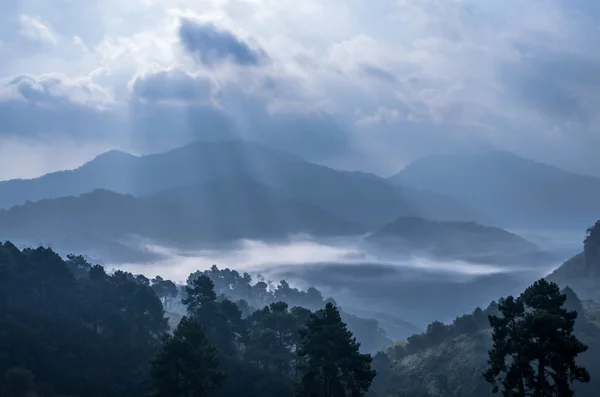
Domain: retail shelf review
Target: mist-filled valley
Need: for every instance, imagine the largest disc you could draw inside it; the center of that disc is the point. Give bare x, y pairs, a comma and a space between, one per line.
417, 286
255, 227
364, 240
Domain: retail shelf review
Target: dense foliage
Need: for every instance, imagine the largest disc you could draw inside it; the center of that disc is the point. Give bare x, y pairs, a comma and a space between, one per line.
334, 366
250, 295
449, 360
68, 328
534, 346
91, 335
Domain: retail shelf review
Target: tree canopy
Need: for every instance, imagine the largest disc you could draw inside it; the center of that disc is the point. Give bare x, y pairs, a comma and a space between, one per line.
333, 365
534, 345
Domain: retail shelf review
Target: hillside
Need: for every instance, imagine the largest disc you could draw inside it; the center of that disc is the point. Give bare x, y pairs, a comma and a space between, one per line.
354, 197
582, 271
507, 190
104, 222
448, 360
458, 240
238, 207
98, 222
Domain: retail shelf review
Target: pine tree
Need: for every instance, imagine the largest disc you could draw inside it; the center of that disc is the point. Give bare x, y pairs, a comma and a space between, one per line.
534, 346
333, 366
187, 365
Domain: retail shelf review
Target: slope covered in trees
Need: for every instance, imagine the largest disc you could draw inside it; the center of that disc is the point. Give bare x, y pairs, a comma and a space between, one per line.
582, 271
450, 360
69, 328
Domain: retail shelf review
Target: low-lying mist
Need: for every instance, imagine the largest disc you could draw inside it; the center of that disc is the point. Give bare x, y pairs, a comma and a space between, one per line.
416, 287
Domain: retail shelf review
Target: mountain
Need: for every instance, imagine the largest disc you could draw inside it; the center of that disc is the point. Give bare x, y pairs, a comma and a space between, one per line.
109, 223
507, 190
100, 222
449, 360
239, 207
454, 240
582, 271
355, 197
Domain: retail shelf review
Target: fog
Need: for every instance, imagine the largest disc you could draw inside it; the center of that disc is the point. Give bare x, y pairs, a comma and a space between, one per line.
417, 288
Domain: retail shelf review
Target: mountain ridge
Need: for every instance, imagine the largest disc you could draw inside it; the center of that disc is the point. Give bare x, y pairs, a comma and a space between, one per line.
354, 197
510, 190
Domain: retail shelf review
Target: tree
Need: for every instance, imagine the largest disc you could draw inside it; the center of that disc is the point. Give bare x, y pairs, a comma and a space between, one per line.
508, 341
273, 338
187, 365
534, 346
591, 250
164, 289
18, 382
333, 366
222, 320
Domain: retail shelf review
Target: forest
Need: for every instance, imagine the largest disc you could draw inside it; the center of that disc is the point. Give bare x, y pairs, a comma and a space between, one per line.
69, 328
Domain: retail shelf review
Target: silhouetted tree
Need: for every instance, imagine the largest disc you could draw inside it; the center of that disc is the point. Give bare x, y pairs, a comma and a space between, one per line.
334, 366
534, 346
164, 289
187, 364
591, 250
18, 382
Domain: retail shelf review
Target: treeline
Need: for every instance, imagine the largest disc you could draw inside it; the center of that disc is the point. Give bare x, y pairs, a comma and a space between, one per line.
250, 296
438, 332
68, 328
538, 329
64, 334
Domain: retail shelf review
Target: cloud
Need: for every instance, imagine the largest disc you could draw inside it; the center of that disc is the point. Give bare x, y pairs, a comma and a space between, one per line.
345, 83
55, 105
174, 85
211, 45
36, 29
54, 89
354, 277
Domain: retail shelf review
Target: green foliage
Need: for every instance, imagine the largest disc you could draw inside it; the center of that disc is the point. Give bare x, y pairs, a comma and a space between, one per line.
453, 367
437, 332
89, 336
187, 364
334, 366
534, 346
229, 284
164, 289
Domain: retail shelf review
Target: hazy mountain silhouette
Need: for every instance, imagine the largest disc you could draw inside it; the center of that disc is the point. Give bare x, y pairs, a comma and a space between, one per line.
207, 214
239, 207
355, 197
508, 190
456, 240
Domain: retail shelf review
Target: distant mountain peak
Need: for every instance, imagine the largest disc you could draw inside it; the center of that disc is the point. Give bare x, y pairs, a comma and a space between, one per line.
112, 156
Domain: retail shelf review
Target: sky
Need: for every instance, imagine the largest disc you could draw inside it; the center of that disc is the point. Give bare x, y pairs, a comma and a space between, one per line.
368, 85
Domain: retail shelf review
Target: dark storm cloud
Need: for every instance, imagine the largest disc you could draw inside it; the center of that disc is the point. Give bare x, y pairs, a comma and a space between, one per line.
212, 45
